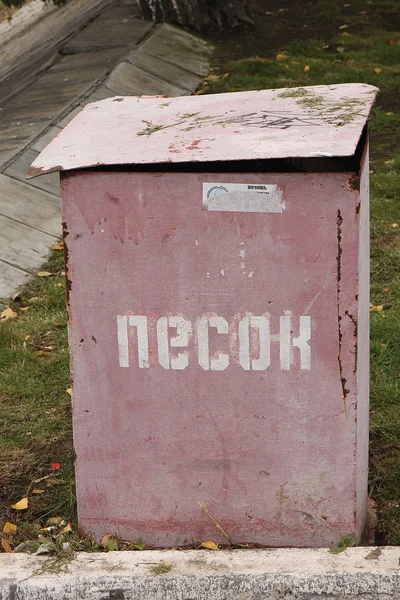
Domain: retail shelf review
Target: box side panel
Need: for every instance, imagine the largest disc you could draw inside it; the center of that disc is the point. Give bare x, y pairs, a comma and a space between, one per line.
213, 355
363, 347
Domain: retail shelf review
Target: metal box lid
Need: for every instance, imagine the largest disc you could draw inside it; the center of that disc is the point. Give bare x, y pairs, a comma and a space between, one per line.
318, 121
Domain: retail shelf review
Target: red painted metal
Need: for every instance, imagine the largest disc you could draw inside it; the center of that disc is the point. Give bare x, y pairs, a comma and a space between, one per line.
218, 326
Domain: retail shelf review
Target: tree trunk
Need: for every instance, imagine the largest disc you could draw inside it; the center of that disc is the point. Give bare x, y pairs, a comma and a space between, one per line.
199, 14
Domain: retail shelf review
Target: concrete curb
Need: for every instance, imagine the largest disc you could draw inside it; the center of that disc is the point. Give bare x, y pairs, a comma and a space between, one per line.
290, 574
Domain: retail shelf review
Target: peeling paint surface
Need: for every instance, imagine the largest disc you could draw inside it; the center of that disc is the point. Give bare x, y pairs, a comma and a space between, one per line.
204, 350
312, 121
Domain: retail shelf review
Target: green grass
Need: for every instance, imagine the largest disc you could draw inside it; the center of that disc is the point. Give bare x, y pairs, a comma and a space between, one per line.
34, 405
35, 420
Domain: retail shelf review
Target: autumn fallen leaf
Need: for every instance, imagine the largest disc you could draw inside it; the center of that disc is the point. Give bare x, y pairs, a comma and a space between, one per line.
45, 274
281, 56
109, 542
212, 77
306, 69
6, 546
8, 313
374, 308
209, 545
378, 70
9, 527
21, 505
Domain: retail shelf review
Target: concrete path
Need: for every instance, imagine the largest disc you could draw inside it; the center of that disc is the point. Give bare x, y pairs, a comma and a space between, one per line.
116, 54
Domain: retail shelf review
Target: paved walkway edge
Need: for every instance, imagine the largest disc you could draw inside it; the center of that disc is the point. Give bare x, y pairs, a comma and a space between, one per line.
29, 45
284, 574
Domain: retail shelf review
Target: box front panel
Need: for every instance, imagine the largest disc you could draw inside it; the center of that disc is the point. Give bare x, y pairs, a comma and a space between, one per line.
213, 354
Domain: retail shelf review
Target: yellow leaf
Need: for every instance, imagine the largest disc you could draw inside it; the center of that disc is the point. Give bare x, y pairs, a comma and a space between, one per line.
69, 391
9, 528
378, 308
281, 56
395, 225
377, 70
6, 545
25, 308
225, 75
389, 114
212, 77
268, 13
45, 274
306, 69
37, 491
21, 505
66, 529
209, 545
109, 542
16, 296
50, 482
343, 27
54, 520
198, 92
8, 313
57, 247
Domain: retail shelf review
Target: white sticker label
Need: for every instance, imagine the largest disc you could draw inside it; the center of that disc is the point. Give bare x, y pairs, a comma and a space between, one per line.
243, 197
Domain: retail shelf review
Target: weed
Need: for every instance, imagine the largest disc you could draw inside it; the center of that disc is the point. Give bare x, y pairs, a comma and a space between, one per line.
161, 569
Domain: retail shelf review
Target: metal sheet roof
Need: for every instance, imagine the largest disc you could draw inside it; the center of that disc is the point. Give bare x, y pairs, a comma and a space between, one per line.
318, 121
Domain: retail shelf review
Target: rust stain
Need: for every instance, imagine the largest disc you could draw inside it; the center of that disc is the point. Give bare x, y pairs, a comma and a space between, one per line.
68, 282
354, 182
172, 148
339, 222
194, 145
355, 335
112, 198
357, 211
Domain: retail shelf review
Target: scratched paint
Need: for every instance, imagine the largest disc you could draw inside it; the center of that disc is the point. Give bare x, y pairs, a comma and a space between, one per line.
215, 371
257, 125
